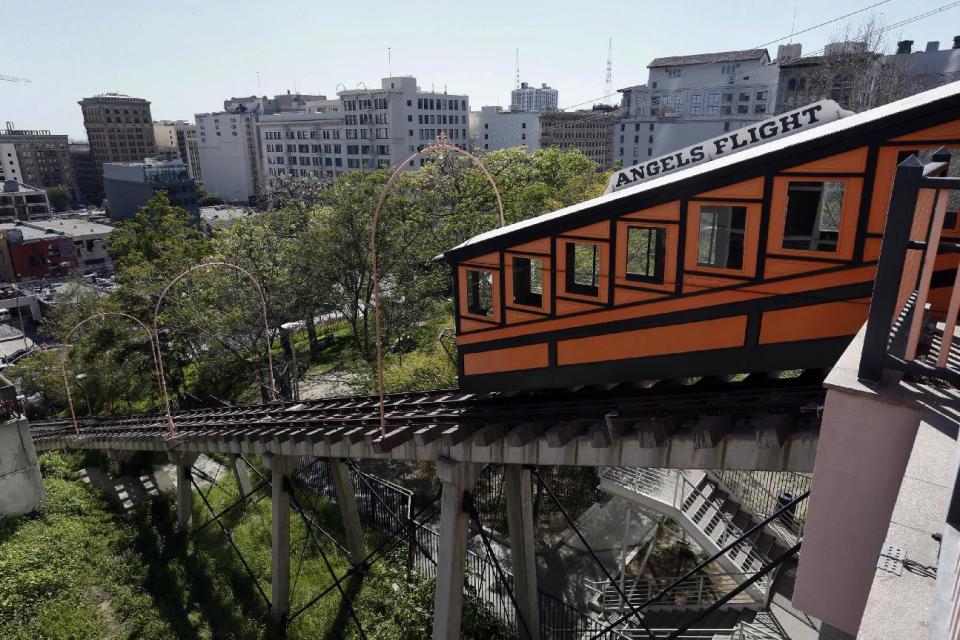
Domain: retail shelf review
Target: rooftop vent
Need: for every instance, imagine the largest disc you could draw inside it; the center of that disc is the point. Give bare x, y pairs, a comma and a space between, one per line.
10, 186
933, 46
956, 42
905, 46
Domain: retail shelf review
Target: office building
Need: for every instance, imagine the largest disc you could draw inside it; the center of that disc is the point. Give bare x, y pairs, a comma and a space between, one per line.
499, 129
130, 185
229, 154
537, 99
305, 145
19, 201
394, 121
688, 99
177, 139
588, 131
37, 158
372, 128
119, 129
84, 169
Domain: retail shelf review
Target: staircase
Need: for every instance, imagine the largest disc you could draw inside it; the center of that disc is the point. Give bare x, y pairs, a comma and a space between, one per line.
696, 592
708, 513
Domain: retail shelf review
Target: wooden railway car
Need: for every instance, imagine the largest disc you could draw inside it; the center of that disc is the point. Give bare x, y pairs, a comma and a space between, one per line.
759, 261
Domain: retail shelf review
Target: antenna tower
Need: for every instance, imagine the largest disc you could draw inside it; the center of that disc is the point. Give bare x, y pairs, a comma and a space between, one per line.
516, 80
608, 86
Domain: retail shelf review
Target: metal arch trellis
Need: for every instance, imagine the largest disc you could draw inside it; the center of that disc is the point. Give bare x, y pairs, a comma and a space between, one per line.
154, 349
440, 146
156, 331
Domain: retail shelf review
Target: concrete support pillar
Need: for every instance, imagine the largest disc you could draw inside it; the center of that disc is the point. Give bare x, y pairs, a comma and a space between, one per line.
457, 478
241, 475
347, 499
281, 467
184, 462
865, 444
522, 547
21, 486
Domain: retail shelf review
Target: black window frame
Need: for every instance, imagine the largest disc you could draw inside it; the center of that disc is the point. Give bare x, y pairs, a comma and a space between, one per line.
523, 293
572, 286
473, 293
741, 234
826, 245
659, 257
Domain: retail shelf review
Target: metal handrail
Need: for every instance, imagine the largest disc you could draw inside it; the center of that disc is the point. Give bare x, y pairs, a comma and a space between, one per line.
918, 205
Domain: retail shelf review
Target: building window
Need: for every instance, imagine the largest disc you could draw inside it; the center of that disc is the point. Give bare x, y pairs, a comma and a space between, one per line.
761, 95
713, 98
722, 230
645, 250
812, 222
480, 292
583, 268
528, 281
759, 108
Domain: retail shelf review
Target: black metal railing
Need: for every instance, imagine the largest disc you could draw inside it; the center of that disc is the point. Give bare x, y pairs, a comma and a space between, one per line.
911, 242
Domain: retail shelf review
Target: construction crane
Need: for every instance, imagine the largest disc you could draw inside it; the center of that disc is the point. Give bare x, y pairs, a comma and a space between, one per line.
13, 78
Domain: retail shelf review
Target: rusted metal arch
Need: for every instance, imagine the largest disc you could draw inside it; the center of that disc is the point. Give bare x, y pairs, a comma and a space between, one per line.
439, 146
154, 350
156, 331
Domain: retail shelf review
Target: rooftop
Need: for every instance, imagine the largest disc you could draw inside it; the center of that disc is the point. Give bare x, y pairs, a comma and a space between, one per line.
13, 186
708, 58
31, 234
76, 227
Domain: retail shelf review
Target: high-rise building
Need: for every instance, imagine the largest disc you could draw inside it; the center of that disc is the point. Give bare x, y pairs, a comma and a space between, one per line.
119, 129
37, 158
537, 99
499, 129
397, 119
588, 131
84, 169
229, 153
177, 139
129, 185
371, 128
688, 99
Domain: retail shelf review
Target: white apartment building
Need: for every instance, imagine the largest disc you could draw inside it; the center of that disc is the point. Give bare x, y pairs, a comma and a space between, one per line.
688, 99
305, 145
229, 153
500, 129
527, 98
394, 121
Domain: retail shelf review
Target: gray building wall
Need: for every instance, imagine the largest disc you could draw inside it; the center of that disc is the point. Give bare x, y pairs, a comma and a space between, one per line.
499, 129
690, 101
128, 190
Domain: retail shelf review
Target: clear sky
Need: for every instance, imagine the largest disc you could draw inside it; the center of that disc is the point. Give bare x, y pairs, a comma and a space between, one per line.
187, 56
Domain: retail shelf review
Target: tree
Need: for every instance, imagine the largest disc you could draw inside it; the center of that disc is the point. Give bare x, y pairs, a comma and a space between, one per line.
208, 199
59, 198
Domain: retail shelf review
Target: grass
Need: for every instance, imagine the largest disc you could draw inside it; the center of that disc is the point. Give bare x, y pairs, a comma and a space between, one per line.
76, 569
